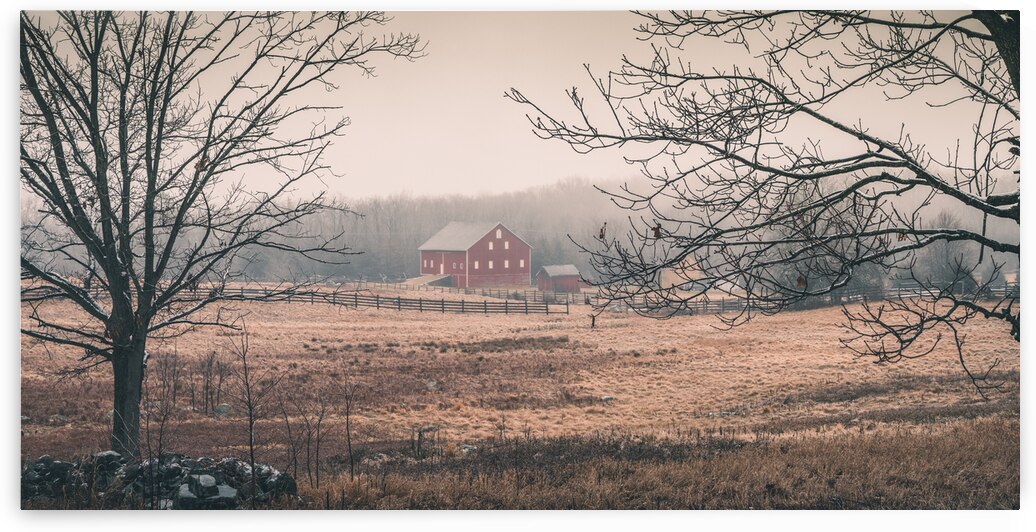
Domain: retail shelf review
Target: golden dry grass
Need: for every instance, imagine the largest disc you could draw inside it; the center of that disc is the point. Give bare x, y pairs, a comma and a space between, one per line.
972, 464
479, 378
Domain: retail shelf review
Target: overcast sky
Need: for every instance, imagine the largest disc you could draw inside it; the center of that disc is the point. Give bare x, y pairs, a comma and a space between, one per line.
441, 125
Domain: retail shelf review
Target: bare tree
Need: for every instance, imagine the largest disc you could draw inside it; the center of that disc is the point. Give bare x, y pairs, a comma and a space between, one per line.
740, 196
160, 390
348, 391
136, 133
252, 393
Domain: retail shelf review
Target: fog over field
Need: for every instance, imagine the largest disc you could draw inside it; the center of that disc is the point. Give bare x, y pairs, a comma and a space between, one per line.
520, 260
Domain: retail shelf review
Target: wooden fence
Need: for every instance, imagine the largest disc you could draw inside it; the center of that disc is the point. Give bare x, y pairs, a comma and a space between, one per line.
533, 301
356, 299
714, 305
515, 294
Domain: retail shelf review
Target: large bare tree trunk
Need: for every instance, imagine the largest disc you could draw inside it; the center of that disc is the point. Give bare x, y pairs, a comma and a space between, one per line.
128, 368
1005, 28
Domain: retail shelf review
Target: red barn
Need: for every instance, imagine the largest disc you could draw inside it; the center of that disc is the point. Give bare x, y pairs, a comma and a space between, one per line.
559, 278
477, 255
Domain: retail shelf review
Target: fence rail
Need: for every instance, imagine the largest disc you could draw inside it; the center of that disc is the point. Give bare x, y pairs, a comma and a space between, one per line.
356, 299
713, 304
532, 301
514, 294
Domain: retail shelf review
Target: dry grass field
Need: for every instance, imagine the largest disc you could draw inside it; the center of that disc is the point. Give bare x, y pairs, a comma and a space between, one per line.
633, 413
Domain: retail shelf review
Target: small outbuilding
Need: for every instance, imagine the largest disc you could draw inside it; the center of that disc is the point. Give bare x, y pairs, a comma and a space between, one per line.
559, 278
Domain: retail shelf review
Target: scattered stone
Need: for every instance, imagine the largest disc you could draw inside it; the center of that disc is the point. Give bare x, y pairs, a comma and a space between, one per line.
607, 398
107, 459
221, 410
280, 483
468, 448
223, 497
176, 481
202, 486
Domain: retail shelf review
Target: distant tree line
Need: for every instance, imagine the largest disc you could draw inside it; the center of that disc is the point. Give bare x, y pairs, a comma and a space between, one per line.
386, 231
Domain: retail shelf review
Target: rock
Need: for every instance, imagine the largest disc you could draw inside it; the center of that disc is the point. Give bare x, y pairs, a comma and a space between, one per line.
468, 449
182, 482
172, 471
224, 498
58, 419
221, 410
202, 486
607, 398
185, 500
107, 460
129, 472
26, 419
238, 470
61, 470
170, 458
280, 484
31, 476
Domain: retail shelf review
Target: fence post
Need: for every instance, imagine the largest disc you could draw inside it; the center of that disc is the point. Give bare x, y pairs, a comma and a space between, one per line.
356, 300
566, 307
462, 306
526, 305
420, 304
485, 307
505, 306
442, 305
377, 301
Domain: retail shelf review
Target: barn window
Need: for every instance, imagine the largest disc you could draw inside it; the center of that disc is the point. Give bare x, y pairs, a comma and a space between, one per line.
490, 265
490, 246
476, 264
499, 234
432, 262
521, 263
424, 263
507, 245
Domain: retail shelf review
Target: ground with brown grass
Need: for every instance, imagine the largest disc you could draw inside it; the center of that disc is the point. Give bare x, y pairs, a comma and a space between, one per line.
535, 411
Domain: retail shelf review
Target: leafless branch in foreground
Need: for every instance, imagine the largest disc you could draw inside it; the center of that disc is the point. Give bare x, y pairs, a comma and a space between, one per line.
139, 146
758, 182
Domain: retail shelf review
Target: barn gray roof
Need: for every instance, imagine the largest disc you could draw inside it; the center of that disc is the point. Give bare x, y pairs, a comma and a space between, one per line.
457, 236
557, 270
